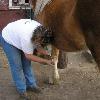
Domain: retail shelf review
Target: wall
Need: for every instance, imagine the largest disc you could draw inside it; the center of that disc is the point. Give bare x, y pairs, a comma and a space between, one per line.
7, 15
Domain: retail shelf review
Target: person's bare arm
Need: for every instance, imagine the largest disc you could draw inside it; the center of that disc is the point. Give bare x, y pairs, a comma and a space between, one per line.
42, 51
38, 59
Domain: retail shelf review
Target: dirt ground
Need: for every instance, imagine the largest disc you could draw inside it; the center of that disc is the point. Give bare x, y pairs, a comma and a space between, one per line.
79, 81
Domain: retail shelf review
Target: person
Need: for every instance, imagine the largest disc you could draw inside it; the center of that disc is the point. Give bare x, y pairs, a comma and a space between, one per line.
19, 39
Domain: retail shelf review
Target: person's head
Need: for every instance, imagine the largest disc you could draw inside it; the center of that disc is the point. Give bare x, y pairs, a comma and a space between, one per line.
42, 36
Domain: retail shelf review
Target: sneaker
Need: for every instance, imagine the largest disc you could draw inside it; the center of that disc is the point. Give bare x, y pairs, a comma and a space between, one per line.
24, 96
34, 89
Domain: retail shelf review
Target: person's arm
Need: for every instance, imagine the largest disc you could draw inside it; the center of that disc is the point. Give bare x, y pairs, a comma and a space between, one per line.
38, 59
42, 51
27, 48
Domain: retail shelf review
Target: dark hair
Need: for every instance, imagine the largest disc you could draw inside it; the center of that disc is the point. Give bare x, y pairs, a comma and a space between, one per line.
44, 33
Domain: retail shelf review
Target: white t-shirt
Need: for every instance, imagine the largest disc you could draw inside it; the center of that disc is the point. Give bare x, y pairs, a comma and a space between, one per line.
19, 33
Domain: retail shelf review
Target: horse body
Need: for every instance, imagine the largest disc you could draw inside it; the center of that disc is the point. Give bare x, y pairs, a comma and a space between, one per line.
59, 16
88, 14
75, 24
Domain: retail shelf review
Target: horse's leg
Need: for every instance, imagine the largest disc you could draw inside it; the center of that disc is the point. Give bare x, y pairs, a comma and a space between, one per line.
95, 50
62, 60
55, 76
93, 43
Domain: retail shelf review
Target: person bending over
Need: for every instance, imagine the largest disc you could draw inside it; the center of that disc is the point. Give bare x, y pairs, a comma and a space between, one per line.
19, 39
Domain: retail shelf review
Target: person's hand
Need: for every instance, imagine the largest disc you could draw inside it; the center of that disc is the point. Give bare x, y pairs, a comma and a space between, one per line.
50, 62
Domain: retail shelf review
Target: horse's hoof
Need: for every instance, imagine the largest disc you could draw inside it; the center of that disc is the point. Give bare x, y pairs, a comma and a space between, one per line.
52, 81
56, 82
49, 82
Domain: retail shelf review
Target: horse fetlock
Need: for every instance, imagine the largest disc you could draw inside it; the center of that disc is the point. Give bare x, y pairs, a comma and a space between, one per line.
56, 75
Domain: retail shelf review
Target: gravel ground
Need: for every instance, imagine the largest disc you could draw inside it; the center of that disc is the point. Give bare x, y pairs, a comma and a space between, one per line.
79, 81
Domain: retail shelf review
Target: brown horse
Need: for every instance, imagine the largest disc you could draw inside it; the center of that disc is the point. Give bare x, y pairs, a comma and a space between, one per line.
73, 22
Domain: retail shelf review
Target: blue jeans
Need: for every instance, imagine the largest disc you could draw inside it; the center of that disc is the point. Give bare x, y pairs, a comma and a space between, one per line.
20, 66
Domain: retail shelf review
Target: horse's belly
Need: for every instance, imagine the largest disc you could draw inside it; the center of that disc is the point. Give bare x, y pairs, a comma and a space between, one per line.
64, 44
